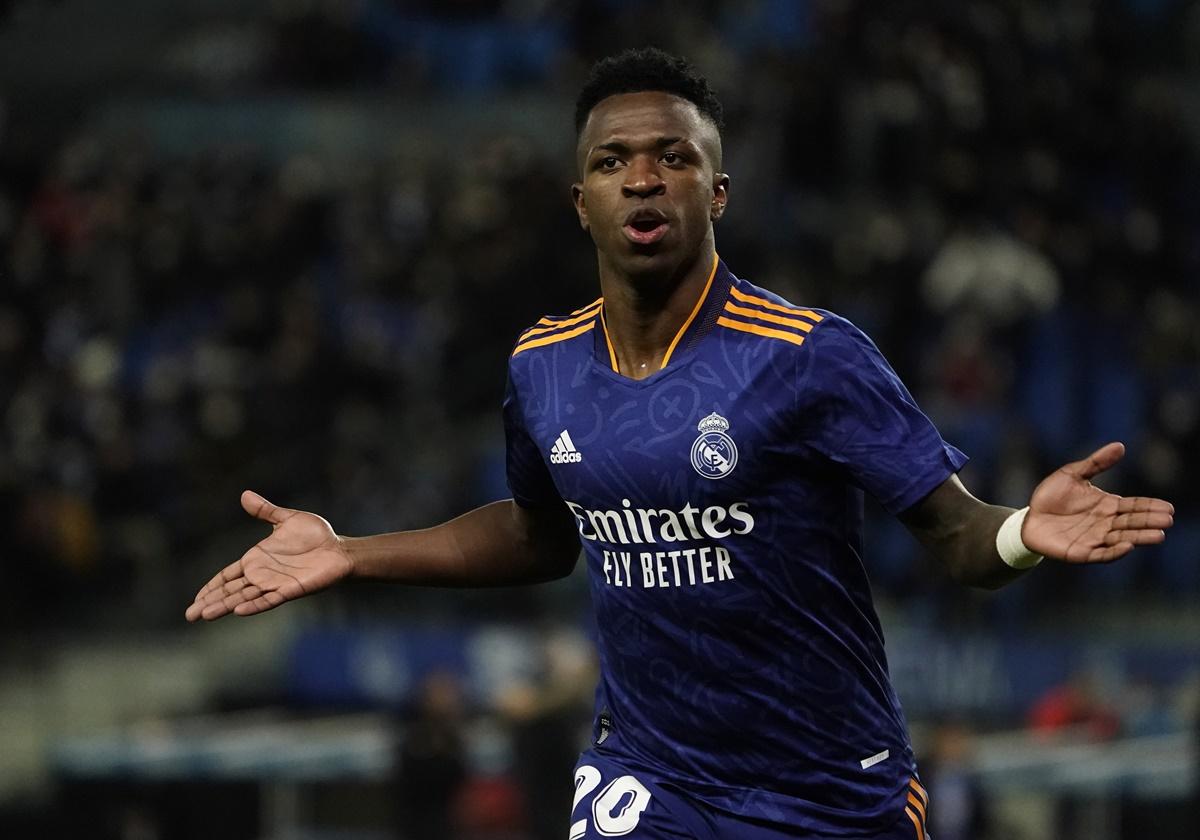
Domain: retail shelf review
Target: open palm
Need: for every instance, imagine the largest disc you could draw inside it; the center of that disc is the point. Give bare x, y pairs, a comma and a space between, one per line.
1073, 520
302, 555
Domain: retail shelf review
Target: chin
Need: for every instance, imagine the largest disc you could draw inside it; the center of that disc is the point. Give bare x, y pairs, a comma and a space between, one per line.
654, 259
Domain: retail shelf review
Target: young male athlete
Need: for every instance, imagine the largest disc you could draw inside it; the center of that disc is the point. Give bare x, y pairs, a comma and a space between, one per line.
709, 443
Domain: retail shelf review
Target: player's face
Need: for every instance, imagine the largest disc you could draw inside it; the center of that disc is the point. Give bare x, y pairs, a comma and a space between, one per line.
650, 188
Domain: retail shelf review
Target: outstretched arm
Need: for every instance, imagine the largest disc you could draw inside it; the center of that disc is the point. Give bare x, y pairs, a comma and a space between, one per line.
496, 545
1069, 519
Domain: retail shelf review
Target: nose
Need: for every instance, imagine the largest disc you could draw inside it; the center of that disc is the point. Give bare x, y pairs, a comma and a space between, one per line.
642, 178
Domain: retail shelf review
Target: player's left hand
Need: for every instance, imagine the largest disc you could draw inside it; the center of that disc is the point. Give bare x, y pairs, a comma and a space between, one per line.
1073, 520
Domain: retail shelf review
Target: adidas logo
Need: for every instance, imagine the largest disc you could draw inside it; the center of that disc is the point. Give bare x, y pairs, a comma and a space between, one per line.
564, 451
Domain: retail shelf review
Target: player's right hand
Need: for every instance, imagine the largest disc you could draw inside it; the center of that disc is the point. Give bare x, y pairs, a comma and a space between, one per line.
302, 555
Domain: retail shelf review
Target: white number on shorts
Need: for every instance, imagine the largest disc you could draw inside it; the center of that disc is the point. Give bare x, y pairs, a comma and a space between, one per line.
616, 809
614, 814
587, 779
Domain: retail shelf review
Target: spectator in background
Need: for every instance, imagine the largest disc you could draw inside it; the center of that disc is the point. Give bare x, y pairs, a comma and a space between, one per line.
959, 807
548, 718
432, 767
1077, 705
991, 273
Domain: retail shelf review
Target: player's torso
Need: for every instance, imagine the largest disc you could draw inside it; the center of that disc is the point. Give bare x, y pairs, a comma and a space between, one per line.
734, 645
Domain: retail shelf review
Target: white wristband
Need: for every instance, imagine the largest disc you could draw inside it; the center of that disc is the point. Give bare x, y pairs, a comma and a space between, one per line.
1012, 549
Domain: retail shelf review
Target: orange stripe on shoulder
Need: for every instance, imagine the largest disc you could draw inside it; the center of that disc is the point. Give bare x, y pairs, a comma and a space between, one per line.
552, 339
794, 323
920, 791
591, 305
755, 329
917, 804
916, 823
564, 321
766, 304
558, 325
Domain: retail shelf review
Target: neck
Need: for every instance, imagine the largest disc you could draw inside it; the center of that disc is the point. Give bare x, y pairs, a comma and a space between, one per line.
645, 314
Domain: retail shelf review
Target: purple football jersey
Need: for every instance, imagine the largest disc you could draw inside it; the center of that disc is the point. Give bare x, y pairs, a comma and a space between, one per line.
720, 507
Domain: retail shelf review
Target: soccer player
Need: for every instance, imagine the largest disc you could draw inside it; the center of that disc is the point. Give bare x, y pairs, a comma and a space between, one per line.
709, 444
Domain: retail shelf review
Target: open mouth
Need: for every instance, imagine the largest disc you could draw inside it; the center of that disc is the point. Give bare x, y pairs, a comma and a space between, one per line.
646, 226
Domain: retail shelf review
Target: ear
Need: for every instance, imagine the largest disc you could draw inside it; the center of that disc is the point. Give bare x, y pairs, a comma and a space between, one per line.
580, 204
720, 196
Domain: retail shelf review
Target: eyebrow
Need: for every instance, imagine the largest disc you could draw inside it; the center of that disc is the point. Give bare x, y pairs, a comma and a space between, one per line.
624, 148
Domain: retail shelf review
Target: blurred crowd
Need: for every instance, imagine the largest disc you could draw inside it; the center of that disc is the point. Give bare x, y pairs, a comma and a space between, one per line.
1004, 194
502, 771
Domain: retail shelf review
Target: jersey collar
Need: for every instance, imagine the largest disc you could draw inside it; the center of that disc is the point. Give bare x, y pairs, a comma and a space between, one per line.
698, 324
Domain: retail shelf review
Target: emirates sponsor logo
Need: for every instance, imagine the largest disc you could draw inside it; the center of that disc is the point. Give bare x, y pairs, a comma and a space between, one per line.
650, 526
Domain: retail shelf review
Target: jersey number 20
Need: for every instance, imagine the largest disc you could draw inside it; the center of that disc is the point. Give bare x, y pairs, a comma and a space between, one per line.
616, 809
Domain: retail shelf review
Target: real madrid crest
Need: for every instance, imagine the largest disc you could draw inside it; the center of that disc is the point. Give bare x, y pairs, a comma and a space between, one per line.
714, 454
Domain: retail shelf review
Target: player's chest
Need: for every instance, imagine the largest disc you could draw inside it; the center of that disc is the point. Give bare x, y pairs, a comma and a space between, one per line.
705, 432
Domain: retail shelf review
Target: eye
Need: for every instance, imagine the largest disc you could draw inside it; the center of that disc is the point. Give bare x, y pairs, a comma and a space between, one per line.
609, 162
672, 158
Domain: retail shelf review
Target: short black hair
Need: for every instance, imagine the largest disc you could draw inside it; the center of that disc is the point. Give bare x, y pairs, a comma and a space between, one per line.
647, 68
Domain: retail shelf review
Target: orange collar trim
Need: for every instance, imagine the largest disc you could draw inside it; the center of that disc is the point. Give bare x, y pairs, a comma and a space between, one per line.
612, 355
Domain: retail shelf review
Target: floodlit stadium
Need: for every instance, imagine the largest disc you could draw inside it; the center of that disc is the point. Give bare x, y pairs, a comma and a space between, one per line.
329, 251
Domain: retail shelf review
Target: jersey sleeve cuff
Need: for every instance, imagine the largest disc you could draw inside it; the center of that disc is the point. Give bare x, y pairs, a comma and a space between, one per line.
922, 485
534, 503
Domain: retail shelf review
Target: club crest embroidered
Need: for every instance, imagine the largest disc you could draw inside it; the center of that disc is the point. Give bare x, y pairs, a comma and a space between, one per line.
714, 454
